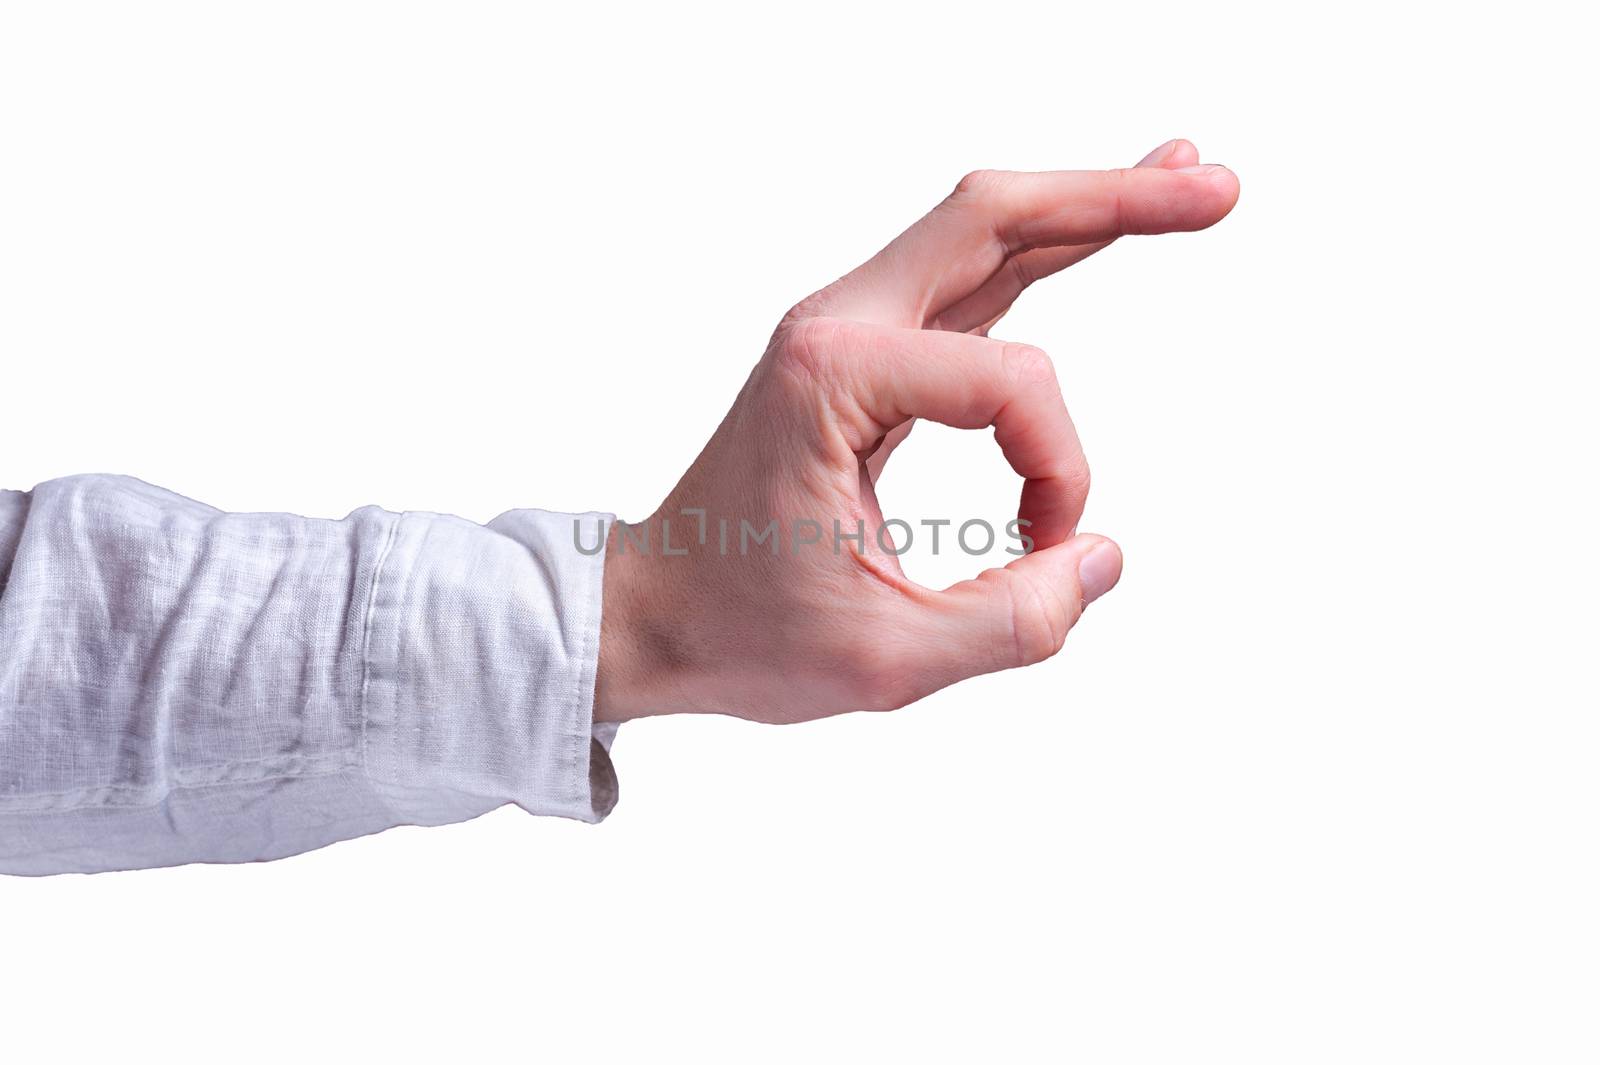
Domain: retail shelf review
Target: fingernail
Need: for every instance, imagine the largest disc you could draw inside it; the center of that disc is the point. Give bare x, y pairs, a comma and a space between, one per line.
1098, 571
1214, 171
1155, 157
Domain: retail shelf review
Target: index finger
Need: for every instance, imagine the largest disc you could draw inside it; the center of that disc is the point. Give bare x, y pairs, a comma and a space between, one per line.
993, 215
968, 382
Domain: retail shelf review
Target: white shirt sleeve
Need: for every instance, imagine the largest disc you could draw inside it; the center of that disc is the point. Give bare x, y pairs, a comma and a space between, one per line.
178, 684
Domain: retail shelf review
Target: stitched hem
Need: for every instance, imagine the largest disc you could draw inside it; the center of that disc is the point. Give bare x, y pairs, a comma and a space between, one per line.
139, 795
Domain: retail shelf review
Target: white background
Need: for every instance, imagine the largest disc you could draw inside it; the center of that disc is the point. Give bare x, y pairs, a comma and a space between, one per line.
1318, 782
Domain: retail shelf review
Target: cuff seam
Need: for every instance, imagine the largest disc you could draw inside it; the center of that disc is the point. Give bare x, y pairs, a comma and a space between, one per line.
367, 627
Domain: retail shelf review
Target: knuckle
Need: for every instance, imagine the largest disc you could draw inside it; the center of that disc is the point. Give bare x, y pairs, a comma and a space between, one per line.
1027, 365
1040, 620
875, 679
884, 695
810, 307
980, 184
1117, 182
1076, 478
807, 345
875, 699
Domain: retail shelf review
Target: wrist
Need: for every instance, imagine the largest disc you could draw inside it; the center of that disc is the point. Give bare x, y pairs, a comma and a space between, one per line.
634, 657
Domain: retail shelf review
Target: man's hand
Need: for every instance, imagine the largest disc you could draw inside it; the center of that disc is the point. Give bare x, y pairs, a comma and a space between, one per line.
809, 624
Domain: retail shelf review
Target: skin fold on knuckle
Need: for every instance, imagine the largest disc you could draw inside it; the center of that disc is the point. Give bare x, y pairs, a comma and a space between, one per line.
979, 184
813, 306
806, 347
1028, 367
810, 397
877, 682
1040, 620
1116, 200
1078, 479
984, 192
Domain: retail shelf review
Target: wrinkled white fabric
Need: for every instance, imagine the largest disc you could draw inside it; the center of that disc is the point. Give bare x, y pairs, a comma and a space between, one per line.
178, 684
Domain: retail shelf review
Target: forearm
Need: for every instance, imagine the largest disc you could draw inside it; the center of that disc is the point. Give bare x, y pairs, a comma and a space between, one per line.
179, 684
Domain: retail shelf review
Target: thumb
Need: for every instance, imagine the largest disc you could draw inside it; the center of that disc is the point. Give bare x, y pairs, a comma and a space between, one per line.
1020, 614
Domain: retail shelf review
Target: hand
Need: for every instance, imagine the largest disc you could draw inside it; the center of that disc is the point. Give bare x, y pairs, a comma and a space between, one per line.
820, 626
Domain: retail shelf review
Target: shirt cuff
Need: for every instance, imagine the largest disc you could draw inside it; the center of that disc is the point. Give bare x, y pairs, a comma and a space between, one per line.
479, 667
